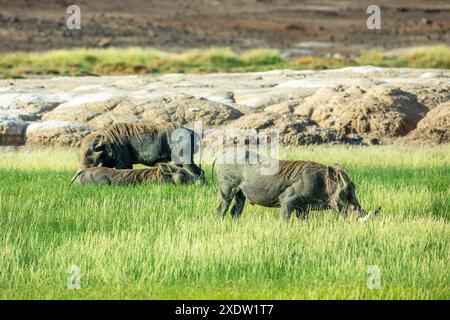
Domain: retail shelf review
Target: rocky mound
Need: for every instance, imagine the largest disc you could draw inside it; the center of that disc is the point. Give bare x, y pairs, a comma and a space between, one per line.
124, 110
12, 130
435, 126
38, 108
187, 109
183, 109
56, 133
81, 111
293, 129
434, 96
379, 112
378, 105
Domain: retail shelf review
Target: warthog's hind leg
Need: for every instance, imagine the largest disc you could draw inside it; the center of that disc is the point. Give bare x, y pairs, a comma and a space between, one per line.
223, 207
227, 196
239, 201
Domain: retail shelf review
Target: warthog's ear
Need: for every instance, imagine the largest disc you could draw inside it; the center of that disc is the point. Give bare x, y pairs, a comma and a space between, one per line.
341, 175
343, 179
100, 145
97, 144
332, 174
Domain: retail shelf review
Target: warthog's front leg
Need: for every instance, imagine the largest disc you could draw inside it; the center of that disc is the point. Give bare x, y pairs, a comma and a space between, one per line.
301, 213
289, 202
123, 165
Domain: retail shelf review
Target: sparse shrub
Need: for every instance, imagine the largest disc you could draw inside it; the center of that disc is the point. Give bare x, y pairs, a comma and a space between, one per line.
140, 60
261, 57
429, 57
372, 57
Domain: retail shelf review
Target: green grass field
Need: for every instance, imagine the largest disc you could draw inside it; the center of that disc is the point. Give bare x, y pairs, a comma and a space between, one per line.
164, 242
120, 61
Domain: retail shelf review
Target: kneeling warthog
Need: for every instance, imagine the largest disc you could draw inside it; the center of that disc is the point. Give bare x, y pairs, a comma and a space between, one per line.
296, 185
162, 172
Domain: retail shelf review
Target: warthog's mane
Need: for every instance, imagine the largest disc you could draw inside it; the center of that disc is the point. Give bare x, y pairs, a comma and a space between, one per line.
292, 168
330, 174
119, 133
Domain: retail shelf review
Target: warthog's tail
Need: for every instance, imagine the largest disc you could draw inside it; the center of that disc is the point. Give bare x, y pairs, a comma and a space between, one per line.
200, 155
212, 176
75, 177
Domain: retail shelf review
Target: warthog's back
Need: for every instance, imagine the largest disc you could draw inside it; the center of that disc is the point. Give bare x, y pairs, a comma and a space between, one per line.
265, 190
103, 175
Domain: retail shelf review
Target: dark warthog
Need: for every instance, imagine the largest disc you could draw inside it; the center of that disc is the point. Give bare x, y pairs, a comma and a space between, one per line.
162, 172
297, 185
121, 145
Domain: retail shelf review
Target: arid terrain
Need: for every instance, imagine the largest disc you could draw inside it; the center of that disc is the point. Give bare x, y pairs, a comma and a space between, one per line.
295, 27
355, 105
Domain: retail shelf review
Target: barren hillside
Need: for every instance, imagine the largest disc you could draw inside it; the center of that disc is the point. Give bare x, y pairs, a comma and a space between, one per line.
240, 24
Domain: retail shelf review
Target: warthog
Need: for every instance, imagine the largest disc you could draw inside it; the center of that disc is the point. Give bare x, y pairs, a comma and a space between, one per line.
162, 172
123, 144
297, 185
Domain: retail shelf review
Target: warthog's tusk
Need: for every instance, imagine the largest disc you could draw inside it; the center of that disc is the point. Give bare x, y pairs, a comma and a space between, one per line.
369, 215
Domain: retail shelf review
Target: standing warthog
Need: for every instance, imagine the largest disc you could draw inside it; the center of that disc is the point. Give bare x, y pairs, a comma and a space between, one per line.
123, 144
297, 185
162, 172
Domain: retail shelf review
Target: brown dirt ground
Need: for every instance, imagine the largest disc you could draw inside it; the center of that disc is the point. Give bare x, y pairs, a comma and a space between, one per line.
179, 24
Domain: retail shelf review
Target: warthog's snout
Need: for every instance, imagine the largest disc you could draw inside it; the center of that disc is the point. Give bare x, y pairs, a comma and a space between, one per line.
201, 180
371, 214
195, 175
